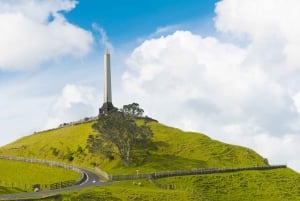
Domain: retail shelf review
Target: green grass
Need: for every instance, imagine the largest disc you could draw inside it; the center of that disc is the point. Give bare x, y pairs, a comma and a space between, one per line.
58, 145
267, 185
10, 190
278, 184
23, 175
172, 149
123, 191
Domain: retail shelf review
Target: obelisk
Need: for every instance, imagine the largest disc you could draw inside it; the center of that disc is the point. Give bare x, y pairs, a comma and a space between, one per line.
107, 104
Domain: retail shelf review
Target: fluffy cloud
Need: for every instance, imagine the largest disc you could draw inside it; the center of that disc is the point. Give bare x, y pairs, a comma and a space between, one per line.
244, 91
74, 103
33, 31
209, 75
271, 26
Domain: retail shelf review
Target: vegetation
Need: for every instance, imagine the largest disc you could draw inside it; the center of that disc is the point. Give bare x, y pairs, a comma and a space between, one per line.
279, 185
67, 144
122, 191
9, 190
18, 175
172, 149
133, 110
118, 130
267, 185
175, 149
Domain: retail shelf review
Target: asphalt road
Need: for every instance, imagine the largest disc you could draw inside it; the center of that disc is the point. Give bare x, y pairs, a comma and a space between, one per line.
90, 179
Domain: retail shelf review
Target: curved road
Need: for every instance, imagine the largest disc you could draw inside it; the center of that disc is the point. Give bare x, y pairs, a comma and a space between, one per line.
90, 179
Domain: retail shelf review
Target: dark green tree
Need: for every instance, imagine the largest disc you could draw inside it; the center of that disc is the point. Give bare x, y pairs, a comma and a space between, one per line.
133, 110
118, 133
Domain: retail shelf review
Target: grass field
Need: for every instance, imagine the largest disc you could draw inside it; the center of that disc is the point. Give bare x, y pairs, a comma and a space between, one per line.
267, 185
10, 190
23, 175
172, 149
277, 185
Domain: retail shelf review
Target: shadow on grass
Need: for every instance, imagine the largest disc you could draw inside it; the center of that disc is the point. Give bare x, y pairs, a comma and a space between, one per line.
172, 162
8, 190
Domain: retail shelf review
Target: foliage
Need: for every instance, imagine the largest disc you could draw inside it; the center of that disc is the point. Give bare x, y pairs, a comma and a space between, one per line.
133, 110
118, 131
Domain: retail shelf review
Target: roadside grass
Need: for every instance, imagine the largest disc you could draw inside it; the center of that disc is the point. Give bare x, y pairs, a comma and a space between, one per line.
9, 190
20, 176
278, 184
121, 191
172, 149
267, 185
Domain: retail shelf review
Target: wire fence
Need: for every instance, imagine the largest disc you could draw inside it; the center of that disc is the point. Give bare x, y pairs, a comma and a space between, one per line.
39, 187
157, 175
150, 176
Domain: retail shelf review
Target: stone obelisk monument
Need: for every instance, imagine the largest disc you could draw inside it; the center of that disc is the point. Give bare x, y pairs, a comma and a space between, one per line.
107, 104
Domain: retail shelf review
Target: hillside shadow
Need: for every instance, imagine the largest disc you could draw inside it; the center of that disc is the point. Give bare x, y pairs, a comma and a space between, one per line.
161, 162
159, 144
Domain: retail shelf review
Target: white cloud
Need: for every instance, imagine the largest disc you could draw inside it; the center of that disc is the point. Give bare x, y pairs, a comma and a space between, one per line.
206, 74
41, 99
296, 99
266, 23
103, 37
245, 91
33, 31
74, 103
22, 111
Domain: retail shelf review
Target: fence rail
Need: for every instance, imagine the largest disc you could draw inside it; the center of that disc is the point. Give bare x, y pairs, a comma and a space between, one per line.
191, 172
61, 184
151, 176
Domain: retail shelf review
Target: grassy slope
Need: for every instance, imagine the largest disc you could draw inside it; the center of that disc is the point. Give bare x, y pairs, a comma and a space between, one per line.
272, 185
175, 150
53, 145
279, 185
24, 175
10, 190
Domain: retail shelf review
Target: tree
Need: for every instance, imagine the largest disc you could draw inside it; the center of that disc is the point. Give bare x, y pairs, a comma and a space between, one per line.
133, 110
118, 133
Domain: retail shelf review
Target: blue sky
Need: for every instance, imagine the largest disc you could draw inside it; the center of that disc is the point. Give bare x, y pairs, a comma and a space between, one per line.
227, 68
127, 20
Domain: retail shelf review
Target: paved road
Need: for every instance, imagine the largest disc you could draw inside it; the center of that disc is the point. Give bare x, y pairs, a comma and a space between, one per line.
90, 179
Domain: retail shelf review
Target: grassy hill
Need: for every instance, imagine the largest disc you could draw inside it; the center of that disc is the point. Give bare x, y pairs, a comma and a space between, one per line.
172, 149
17, 176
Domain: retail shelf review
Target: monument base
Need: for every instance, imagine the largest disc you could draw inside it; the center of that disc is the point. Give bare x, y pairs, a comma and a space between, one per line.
106, 107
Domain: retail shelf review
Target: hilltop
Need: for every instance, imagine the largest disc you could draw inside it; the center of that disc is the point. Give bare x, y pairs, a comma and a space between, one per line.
172, 149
